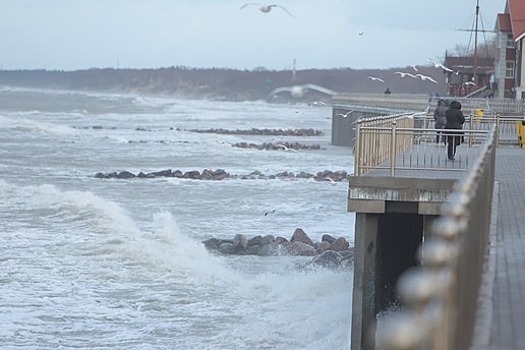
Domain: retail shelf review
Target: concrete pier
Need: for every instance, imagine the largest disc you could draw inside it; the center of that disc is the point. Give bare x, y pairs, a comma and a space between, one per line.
393, 216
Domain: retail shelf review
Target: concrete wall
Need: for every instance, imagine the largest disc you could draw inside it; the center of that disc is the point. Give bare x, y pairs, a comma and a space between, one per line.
343, 133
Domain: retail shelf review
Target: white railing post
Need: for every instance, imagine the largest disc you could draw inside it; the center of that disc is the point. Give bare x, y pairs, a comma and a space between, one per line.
357, 150
393, 150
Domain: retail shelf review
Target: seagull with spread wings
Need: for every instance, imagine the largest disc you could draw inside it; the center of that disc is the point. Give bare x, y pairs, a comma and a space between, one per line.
426, 77
405, 74
298, 91
346, 114
266, 8
376, 79
439, 65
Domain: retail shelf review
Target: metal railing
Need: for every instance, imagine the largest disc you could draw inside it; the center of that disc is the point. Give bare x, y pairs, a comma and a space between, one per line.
408, 142
440, 296
376, 140
508, 132
418, 102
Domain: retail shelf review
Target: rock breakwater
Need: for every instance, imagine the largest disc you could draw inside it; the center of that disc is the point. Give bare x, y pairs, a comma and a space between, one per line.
330, 252
221, 174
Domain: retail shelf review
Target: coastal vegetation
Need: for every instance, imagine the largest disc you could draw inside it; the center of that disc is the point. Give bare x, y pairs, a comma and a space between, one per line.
223, 83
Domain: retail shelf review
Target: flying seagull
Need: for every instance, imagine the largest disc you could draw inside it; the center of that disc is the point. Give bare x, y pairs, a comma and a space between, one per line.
298, 91
439, 65
346, 114
405, 74
426, 77
265, 8
376, 79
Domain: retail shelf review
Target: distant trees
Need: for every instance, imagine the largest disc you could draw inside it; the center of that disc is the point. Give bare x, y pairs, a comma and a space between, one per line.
485, 49
222, 83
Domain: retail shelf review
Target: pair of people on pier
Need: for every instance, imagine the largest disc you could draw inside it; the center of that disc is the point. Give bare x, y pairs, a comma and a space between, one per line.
455, 121
440, 120
448, 120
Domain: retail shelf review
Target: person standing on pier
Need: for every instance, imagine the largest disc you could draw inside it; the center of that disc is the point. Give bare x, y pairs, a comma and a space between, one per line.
455, 120
440, 120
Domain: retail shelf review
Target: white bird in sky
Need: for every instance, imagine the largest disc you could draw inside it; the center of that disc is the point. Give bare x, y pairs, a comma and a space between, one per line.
376, 79
298, 91
266, 8
439, 65
405, 74
346, 114
426, 77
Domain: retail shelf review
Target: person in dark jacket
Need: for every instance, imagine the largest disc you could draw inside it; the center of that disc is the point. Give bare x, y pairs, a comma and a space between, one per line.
455, 120
440, 120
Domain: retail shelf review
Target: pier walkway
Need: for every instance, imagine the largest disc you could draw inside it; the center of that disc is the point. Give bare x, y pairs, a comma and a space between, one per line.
468, 290
503, 290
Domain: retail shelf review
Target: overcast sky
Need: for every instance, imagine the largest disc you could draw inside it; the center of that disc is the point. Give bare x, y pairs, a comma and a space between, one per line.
81, 34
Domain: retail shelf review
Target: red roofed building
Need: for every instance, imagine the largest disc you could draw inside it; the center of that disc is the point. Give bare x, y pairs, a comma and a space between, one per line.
509, 64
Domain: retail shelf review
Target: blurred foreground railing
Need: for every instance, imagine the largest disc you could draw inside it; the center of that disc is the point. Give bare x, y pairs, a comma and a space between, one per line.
440, 296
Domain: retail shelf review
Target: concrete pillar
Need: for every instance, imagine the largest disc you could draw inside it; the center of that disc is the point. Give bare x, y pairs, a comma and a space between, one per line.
385, 247
364, 288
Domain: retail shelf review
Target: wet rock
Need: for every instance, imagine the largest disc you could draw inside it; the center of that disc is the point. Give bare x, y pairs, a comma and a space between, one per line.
322, 246
240, 243
297, 248
329, 259
327, 238
226, 248
221, 174
271, 249
339, 244
300, 236
125, 175
194, 175
329, 252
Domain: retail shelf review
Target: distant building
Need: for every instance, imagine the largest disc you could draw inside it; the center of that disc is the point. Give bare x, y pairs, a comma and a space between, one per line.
509, 74
470, 76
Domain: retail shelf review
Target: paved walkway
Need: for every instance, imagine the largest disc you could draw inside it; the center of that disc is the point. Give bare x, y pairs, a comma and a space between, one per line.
503, 291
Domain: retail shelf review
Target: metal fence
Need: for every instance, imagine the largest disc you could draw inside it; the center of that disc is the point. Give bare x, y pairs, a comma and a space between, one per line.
409, 142
418, 102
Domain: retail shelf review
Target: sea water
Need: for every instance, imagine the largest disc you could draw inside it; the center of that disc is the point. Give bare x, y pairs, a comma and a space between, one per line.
92, 263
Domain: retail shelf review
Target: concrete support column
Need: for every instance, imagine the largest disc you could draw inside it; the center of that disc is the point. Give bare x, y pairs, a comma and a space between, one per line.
364, 289
385, 247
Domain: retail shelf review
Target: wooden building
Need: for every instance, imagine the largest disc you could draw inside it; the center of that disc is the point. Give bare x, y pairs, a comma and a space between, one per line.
470, 76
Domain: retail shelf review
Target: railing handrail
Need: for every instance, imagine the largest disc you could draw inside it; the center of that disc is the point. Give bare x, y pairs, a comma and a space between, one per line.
377, 146
418, 101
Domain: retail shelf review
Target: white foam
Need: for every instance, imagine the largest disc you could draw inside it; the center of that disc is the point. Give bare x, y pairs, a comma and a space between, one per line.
34, 125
